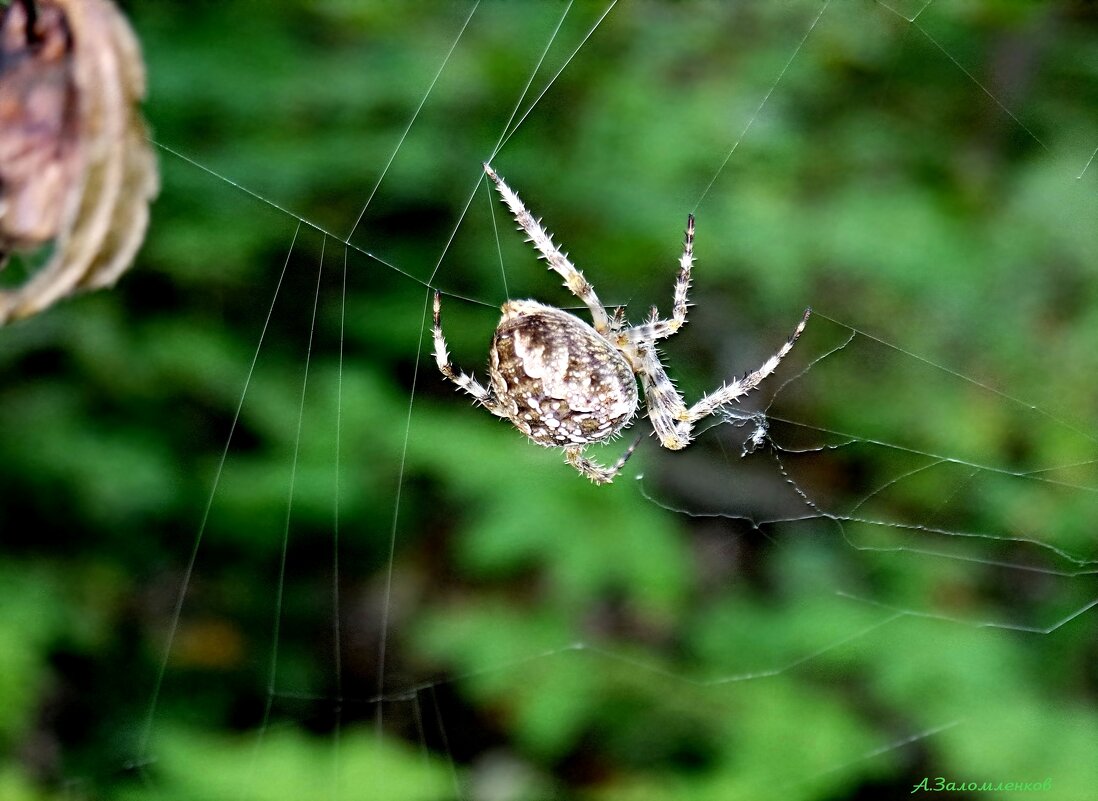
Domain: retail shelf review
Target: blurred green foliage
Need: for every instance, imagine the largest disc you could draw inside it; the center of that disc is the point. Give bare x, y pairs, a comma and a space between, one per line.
544, 638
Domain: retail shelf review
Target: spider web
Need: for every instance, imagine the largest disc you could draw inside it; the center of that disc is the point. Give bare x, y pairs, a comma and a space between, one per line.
891, 584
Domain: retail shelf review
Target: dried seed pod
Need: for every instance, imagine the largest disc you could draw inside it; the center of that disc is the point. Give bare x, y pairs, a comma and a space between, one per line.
75, 163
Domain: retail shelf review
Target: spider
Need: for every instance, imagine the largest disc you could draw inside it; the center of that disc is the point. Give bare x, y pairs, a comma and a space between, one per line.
567, 384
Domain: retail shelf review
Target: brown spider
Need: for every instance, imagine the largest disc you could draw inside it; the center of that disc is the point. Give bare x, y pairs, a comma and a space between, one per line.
567, 384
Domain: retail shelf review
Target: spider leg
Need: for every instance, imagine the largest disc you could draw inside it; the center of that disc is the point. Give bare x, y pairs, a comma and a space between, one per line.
666, 408
672, 421
557, 260
592, 469
657, 329
485, 397
617, 319
733, 390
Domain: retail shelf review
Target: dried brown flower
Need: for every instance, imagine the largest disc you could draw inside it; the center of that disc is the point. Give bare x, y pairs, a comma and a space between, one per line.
76, 167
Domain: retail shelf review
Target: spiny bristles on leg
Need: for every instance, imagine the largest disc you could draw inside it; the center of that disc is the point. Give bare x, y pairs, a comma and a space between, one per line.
686, 264
617, 320
798, 330
442, 358
686, 261
508, 194
733, 390
591, 469
466, 383
556, 259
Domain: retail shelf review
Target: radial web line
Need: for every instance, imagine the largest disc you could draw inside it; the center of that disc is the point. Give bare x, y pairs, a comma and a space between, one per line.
188, 573
914, 23
1005, 396
1087, 165
495, 233
272, 670
895, 481
446, 745
337, 629
766, 97
306, 222
1032, 475
959, 557
894, 745
553, 80
1084, 566
421, 732
912, 18
537, 68
977, 624
412, 121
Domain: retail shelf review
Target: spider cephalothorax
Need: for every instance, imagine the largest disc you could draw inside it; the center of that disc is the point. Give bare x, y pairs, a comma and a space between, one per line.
567, 384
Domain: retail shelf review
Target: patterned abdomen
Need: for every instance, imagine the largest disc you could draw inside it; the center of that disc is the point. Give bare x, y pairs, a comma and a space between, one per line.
559, 381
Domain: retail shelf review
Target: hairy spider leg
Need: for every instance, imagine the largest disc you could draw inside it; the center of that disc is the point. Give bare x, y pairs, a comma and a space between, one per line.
656, 329
732, 390
557, 260
672, 421
485, 397
666, 407
592, 469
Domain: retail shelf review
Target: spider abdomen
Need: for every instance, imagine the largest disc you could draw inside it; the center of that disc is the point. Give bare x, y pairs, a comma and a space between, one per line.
557, 379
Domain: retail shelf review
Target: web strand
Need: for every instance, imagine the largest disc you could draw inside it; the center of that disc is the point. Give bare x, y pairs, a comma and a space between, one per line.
188, 573
761, 106
280, 587
337, 627
412, 120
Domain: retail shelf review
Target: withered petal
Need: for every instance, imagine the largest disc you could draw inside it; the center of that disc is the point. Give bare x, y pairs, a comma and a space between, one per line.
105, 175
